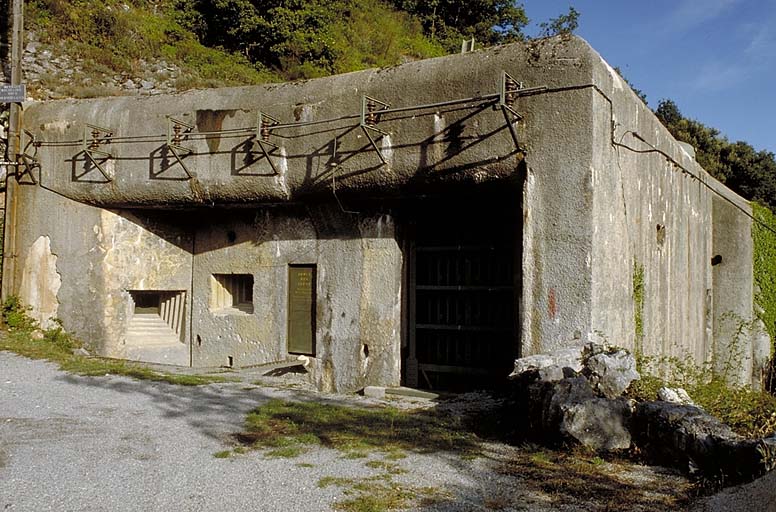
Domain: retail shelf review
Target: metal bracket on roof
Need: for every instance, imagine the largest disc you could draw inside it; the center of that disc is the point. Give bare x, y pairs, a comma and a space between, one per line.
264, 126
93, 139
370, 116
176, 134
507, 96
26, 163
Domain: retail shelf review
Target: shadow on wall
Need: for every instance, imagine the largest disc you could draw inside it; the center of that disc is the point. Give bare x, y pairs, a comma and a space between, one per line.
217, 229
344, 155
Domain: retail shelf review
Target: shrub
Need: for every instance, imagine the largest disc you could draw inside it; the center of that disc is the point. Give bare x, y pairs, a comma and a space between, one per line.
15, 315
750, 413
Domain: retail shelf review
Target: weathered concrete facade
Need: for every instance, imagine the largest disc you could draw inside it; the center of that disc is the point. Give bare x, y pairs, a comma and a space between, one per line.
200, 229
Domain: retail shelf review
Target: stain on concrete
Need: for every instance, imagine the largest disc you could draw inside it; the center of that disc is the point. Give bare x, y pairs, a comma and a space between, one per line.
212, 121
41, 282
552, 307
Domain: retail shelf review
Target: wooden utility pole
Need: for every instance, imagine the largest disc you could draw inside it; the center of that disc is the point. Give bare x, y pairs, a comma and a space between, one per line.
14, 142
17, 50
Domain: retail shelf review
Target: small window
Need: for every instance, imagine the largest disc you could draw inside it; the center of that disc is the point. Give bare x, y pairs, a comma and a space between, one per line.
231, 293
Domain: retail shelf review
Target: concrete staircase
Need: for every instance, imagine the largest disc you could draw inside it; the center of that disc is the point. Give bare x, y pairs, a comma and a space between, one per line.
150, 339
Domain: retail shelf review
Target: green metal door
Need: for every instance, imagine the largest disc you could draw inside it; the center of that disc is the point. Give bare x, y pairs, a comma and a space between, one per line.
301, 309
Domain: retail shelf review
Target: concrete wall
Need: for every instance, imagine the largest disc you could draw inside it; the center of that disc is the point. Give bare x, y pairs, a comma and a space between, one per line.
656, 209
359, 266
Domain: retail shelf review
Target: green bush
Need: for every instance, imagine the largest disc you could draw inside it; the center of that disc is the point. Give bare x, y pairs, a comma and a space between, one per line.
765, 266
750, 413
16, 315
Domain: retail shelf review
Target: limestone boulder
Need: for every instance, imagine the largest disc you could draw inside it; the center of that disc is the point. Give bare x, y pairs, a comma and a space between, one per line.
552, 366
599, 424
687, 437
569, 410
610, 373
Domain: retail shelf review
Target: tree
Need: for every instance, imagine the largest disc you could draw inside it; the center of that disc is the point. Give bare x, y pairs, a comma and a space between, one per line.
565, 24
638, 92
668, 113
750, 173
449, 21
308, 38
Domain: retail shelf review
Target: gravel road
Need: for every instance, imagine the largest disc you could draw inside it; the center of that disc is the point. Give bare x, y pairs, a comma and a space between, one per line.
70, 443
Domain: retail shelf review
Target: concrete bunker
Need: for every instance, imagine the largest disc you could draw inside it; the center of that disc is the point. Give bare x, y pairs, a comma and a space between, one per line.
423, 224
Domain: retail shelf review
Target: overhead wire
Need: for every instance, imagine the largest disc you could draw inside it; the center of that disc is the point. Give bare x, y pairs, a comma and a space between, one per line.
477, 100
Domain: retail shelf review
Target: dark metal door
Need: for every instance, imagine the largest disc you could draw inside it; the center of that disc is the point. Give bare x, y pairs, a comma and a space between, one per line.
463, 318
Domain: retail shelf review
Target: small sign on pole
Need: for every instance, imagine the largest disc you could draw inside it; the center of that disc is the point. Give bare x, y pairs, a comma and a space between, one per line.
13, 93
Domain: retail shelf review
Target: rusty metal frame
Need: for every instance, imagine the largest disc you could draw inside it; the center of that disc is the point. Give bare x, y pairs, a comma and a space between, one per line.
93, 138
176, 132
508, 90
370, 116
264, 125
28, 162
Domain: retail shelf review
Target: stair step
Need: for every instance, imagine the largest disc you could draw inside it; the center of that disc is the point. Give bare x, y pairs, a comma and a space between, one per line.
149, 330
142, 342
168, 353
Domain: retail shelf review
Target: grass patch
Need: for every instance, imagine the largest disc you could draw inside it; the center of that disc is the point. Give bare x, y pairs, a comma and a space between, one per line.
223, 454
23, 337
379, 493
286, 452
388, 467
288, 429
566, 477
355, 431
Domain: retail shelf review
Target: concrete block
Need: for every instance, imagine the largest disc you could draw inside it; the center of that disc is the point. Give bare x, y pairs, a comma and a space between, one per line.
374, 391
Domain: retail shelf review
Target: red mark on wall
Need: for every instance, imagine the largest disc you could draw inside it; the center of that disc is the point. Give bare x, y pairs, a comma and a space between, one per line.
552, 307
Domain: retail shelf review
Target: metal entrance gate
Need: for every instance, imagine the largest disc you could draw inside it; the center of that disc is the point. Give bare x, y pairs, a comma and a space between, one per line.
462, 302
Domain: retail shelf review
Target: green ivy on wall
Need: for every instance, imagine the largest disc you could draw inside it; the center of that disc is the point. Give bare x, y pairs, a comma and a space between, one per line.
765, 266
638, 305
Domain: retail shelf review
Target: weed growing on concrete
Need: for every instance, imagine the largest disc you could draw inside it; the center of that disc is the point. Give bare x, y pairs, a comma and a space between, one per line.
223, 454
638, 304
24, 337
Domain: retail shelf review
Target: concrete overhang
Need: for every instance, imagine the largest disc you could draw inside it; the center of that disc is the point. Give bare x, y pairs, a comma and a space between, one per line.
444, 125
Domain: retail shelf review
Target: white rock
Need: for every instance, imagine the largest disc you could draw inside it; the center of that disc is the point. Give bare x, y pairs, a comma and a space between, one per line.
674, 396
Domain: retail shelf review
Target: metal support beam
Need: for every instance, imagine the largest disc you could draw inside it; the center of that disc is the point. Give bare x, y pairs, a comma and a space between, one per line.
26, 163
176, 134
264, 126
508, 91
94, 138
370, 116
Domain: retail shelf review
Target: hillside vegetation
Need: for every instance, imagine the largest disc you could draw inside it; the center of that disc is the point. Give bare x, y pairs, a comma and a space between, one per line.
211, 43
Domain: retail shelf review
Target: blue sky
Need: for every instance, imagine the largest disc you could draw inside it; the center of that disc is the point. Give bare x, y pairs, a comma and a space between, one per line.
715, 58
